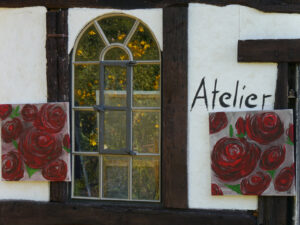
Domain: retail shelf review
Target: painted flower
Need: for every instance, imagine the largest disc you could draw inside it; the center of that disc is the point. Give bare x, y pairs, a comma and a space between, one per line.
11, 130
264, 127
284, 179
5, 111
216, 190
290, 132
217, 122
272, 158
66, 141
38, 148
255, 184
240, 126
29, 112
12, 166
51, 118
234, 158
55, 171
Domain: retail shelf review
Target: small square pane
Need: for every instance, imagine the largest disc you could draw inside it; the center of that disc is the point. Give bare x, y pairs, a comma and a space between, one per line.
86, 131
146, 131
115, 86
145, 178
115, 177
86, 176
115, 130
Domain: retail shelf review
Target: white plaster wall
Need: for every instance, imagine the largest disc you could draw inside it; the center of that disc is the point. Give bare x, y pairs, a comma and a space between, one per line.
213, 36
80, 17
23, 78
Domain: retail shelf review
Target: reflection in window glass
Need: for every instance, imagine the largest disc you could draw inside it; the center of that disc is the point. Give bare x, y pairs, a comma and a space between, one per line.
116, 54
86, 85
86, 176
143, 45
116, 28
89, 46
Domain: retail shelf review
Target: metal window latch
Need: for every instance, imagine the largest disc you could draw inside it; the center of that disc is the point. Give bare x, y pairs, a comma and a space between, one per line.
99, 108
131, 63
292, 93
131, 152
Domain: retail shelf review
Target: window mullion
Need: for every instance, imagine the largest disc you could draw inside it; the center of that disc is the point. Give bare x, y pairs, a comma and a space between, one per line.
101, 130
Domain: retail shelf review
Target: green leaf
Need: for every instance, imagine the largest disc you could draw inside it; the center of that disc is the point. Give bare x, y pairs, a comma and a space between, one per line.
15, 112
241, 135
15, 143
66, 149
30, 171
236, 188
289, 141
272, 173
230, 131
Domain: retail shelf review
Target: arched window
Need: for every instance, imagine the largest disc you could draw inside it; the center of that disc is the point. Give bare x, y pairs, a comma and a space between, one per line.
116, 111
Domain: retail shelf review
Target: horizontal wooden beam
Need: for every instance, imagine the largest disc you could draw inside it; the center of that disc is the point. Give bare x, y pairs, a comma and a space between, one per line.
287, 6
281, 50
27, 212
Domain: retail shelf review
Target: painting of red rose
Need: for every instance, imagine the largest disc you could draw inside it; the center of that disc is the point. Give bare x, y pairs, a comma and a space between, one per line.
252, 153
35, 142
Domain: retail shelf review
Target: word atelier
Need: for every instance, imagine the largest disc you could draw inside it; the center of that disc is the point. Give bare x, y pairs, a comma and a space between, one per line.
225, 99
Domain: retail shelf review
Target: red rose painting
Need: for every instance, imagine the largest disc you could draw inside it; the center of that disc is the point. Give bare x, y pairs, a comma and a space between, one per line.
252, 153
36, 142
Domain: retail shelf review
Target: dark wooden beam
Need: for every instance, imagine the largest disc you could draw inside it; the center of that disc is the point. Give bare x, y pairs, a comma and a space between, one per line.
281, 50
284, 6
174, 108
23, 212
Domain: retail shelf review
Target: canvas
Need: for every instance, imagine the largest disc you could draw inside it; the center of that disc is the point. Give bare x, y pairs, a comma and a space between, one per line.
35, 142
252, 153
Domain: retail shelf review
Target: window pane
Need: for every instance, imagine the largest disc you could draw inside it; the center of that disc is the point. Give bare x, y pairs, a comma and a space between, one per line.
146, 85
86, 174
89, 46
146, 130
115, 177
142, 45
116, 54
86, 131
145, 178
115, 86
86, 85
114, 130
116, 28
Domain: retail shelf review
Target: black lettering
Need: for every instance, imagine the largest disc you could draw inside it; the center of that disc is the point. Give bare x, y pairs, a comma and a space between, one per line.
214, 93
222, 103
236, 91
250, 97
202, 84
264, 97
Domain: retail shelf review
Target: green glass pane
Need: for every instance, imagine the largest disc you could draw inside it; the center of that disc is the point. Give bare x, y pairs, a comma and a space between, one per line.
86, 176
146, 131
89, 46
143, 45
115, 86
146, 85
116, 28
145, 178
86, 85
86, 131
116, 54
115, 130
115, 177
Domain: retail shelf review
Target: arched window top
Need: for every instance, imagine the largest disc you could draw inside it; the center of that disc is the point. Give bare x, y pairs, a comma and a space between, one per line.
103, 35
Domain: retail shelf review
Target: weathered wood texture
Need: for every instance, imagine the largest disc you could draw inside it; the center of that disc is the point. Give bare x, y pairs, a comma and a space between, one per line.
289, 6
22, 213
174, 108
58, 84
281, 50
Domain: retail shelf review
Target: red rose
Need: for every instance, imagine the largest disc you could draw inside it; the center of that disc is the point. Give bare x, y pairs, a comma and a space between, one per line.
5, 111
255, 184
272, 158
216, 190
51, 118
234, 158
55, 171
290, 132
284, 179
217, 122
12, 166
11, 130
264, 127
66, 141
38, 148
240, 126
29, 112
